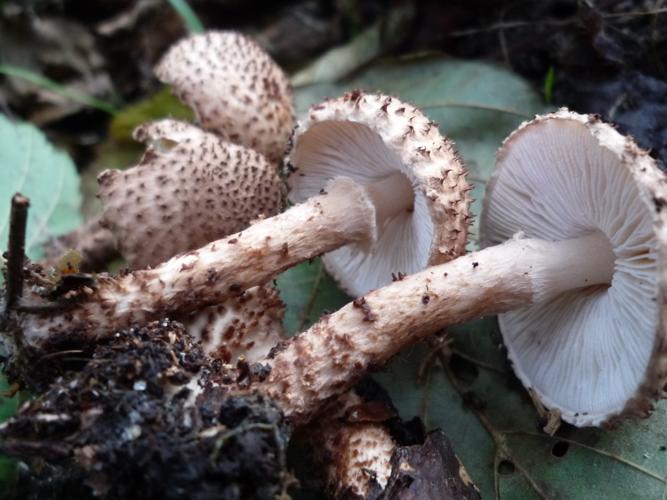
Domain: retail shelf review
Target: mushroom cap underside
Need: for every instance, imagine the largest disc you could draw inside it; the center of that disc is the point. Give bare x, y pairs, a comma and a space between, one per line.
368, 138
598, 352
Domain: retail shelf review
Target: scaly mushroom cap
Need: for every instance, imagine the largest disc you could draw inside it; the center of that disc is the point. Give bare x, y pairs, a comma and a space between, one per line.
368, 138
248, 325
190, 188
235, 89
356, 454
597, 352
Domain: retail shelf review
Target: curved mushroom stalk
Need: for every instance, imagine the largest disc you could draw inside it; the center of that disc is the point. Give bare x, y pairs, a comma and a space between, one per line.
211, 274
333, 354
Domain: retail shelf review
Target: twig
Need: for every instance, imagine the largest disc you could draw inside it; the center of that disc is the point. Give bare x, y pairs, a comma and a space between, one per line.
16, 252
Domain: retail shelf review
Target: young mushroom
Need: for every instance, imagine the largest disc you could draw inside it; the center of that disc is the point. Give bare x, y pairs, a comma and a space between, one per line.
235, 89
189, 189
346, 213
582, 275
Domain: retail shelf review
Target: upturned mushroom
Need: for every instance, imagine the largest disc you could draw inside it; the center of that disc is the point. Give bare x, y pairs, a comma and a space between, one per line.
425, 172
409, 172
579, 210
235, 89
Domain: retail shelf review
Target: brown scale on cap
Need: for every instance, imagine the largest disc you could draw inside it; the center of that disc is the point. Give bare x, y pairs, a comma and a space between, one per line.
189, 188
235, 89
249, 325
354, 452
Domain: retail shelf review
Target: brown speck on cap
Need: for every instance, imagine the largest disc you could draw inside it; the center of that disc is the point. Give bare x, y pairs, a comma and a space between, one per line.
181, 161
227, 332
235, 89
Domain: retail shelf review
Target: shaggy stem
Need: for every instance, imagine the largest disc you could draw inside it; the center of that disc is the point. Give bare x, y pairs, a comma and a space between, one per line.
221, 269
333, 354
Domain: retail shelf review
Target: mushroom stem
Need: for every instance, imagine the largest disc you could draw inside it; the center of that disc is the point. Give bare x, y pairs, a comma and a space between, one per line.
391, 196
335, 352
221, 269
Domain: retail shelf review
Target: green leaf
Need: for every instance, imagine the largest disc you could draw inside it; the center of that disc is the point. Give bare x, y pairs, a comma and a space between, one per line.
31, 165
494, 428
161, 104
549, 81
308, 292
190, 19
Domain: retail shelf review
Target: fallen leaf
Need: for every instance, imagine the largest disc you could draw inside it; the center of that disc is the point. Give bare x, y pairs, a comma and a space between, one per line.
33, 167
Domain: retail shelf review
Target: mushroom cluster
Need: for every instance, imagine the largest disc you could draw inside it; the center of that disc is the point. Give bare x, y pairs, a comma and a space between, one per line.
189, 186
573, 237
227, 169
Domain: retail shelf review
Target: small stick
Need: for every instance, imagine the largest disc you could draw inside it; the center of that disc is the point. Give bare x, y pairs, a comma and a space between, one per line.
16, 252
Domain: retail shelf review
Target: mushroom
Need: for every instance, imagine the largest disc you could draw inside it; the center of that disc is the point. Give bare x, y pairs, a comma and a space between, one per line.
235, 89
355, 453
410, 173
589, 277
185, 172
345, 213
190, 188
594, 347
